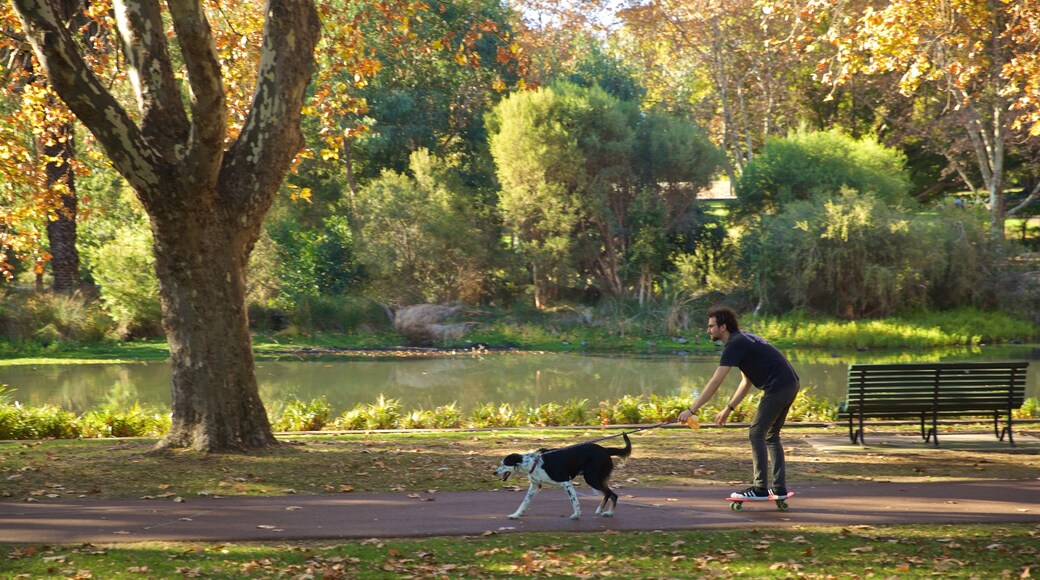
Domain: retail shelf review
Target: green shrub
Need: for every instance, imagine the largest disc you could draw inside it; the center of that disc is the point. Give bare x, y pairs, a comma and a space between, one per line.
344, 314
47, 317
808, 164
12, 423
626, 411
847, 256
572, 412
809, 407
124, 269
112, 421
490, 415
1030, 409
383, 414
443, 417
301, 416
351, 420
312, 261
46, 422
662, 409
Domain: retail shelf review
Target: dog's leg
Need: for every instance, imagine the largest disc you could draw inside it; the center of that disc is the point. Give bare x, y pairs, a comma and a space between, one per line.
606, 507
609, 501
569, 488
531, 491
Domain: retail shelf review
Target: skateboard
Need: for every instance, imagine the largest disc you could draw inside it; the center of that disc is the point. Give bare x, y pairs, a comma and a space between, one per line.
737, 504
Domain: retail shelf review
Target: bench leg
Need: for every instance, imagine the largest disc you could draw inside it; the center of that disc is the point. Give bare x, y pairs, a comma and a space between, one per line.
856, 435
1000, 433
930, 434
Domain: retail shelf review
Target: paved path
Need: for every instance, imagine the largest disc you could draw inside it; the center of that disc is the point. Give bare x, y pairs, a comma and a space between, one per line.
467, 513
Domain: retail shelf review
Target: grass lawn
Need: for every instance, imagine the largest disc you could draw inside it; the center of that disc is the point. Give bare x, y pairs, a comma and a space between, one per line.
419, 461
1006, 551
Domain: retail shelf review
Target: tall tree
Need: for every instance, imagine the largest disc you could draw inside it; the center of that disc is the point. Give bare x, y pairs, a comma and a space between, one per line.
591, 186
206, 189
958, 58
39, 164
735, 63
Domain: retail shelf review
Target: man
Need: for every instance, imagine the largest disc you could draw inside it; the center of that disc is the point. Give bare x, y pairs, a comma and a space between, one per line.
765, 367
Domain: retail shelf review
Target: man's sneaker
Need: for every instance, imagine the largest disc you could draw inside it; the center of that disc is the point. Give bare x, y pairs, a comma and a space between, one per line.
779, 492
750, 493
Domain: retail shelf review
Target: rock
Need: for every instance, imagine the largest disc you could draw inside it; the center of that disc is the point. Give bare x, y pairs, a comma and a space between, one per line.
432, 322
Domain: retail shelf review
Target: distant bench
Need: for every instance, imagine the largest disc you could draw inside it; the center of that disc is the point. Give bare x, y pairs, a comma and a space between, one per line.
933, 390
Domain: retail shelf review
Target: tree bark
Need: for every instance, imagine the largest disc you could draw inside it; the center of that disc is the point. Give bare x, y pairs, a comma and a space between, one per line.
215, 399
61, 231
205, 202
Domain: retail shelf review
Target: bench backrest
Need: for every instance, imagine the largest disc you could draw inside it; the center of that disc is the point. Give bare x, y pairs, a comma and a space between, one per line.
905, 389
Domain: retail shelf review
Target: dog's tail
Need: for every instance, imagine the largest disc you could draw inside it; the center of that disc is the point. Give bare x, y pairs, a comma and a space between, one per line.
619, 451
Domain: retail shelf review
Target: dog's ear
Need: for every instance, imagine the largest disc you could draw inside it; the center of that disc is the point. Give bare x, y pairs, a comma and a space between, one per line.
513, 459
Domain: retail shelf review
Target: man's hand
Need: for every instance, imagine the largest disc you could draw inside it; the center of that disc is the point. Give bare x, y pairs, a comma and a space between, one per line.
685, 416
720, 419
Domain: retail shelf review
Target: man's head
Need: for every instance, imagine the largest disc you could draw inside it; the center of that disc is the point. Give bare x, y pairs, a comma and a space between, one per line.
721, 320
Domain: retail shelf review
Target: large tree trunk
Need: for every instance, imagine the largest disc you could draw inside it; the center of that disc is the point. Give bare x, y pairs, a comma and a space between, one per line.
61, 231
201, 269
205, 200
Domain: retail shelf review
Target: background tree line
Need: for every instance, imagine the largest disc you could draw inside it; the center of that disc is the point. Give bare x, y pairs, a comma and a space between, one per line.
464, 177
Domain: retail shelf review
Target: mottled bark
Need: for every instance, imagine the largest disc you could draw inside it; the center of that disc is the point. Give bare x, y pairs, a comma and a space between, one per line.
205, 203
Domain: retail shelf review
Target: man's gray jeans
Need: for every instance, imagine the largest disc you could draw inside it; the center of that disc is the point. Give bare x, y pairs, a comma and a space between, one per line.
764, 434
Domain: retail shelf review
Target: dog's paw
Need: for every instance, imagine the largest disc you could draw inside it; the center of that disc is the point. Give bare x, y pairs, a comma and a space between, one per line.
575, 516
513, 516
607, 514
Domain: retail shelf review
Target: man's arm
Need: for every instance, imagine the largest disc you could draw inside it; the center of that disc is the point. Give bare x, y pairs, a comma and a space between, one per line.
738, 396
708, 392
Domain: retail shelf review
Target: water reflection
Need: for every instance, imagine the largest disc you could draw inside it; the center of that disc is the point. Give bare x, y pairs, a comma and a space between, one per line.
468, 380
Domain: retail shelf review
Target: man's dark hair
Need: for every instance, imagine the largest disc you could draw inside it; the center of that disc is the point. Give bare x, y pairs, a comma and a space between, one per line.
724, 317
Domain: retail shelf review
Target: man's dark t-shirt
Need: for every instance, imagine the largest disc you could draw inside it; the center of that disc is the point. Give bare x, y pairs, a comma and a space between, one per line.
765, 366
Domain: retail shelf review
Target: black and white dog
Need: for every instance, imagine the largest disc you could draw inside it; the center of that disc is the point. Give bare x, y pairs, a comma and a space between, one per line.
559, 466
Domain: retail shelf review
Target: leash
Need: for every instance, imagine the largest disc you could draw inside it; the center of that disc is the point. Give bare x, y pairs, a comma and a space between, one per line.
657, 426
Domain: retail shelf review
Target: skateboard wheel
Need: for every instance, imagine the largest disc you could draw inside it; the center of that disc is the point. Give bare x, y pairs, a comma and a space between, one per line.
735, 506
782, 505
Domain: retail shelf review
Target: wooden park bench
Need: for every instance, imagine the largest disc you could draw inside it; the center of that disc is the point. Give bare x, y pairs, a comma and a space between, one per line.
933, 390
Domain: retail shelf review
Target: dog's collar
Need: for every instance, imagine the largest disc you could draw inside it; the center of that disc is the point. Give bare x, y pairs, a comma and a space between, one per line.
537, 461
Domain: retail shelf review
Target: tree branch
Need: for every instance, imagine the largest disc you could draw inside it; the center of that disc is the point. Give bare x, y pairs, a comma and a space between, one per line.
258, 160
163, 120
1028, 200
208, 98
70, 76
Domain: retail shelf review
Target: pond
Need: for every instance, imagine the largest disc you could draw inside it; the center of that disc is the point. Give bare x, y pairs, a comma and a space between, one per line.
521, 379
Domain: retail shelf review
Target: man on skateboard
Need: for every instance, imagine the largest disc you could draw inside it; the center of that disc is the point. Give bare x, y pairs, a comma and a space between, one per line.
763, 366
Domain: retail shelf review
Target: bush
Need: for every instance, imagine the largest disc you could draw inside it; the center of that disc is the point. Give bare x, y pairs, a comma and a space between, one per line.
425, 240
49, 317
301, 416
347, 315
383, 414
111, 421
489, 415
626, 411
853, 257
124, 269
311, 262
807, 164
443, 417
48, 421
